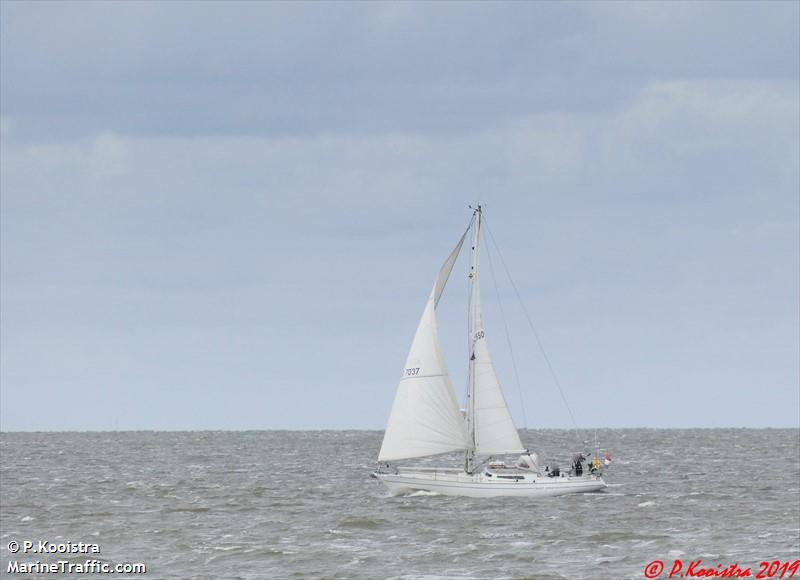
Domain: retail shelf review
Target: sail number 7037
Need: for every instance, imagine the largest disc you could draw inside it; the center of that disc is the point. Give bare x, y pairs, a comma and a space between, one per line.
411, 372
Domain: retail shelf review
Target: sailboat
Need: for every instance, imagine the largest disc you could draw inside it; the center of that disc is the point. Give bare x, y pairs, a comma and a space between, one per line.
426, 419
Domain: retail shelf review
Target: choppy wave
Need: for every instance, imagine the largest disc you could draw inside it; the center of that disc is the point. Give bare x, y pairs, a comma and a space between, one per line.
302, 504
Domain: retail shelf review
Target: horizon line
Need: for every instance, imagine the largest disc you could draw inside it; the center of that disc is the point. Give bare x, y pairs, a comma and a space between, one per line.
320, 430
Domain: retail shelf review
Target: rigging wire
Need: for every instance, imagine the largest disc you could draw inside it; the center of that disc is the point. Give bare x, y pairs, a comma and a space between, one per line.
508, 336
533, 328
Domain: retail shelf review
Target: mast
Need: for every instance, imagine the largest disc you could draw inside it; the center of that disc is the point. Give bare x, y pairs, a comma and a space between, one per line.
473, 322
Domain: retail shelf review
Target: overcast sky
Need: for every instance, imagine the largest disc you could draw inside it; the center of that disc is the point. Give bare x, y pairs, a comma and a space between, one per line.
230, 215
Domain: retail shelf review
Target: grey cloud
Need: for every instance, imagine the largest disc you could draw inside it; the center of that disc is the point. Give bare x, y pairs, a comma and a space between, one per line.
645, 240
72, 69
228, 215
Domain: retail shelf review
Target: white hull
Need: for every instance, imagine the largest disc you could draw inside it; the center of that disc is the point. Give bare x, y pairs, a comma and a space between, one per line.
488, 484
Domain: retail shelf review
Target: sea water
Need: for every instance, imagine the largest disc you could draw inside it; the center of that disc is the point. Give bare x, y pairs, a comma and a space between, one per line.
278, 504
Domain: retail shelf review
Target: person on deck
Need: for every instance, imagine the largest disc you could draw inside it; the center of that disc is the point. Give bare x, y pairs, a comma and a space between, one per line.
577, 464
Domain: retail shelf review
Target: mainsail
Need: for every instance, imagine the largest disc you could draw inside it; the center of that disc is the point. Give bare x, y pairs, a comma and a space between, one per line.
495, 433
425, 418
491, 422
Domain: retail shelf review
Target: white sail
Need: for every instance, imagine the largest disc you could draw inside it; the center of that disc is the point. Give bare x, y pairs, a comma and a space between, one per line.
495, 433
425, 418
493, 427
446, 269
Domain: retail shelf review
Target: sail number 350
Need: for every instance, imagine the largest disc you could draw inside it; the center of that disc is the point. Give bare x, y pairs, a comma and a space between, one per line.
411, 372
